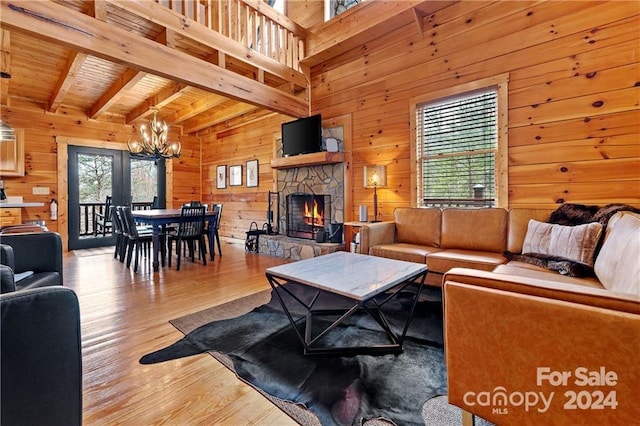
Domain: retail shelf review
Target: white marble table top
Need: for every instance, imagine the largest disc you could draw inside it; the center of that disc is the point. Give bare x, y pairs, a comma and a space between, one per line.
356, 276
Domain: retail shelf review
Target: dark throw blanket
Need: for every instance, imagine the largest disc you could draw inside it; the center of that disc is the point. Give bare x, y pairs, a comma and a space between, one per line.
570, 214
339, 390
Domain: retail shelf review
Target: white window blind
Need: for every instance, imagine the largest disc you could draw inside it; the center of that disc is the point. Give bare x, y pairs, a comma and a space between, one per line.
457, 142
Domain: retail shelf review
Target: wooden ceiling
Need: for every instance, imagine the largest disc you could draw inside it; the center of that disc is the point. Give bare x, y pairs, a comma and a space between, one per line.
205, 65
118, 60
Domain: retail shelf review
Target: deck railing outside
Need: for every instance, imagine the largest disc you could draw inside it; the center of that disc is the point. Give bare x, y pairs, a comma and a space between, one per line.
251, 23
458, 202
87, 213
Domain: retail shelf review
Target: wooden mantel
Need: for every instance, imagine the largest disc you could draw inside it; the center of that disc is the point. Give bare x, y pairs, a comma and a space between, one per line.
305, 160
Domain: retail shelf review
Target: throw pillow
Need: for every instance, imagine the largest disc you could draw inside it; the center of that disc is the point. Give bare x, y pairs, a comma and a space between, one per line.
576, 243
617, 266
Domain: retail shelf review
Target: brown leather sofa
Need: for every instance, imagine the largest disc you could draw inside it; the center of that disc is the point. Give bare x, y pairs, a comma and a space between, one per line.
448, 238
525, 345
522, 349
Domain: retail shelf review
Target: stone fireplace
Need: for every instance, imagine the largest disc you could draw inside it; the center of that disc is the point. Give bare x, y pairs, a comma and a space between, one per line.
324, 182
306, 214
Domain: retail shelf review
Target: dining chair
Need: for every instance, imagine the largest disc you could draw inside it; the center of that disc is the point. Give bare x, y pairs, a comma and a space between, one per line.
121, 239
102, 220
190, 230
194, 203
138, 239
217, 209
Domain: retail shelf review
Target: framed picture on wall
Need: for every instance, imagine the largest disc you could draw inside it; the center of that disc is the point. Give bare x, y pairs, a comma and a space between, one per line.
252, 173
235, 175
221, 177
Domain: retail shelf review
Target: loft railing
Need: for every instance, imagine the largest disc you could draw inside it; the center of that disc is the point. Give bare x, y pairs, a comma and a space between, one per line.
251, 23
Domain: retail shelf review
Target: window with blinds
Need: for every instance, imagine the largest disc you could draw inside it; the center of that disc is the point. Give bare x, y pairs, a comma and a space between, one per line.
457, 144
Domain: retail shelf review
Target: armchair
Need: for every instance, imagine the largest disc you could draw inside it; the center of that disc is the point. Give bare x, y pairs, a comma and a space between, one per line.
35, 260
527, 351
40, 361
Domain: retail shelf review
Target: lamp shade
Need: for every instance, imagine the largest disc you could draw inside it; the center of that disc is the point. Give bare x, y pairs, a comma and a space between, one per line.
375, 176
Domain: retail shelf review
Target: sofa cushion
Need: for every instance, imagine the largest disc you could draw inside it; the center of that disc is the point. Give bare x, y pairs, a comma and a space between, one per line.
518, 224
527, 270
577, 243
40, 279
475, 229
418, 226
403, 251
617, 265
444, 260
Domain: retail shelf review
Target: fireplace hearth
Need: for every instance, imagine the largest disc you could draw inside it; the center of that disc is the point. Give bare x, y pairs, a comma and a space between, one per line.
306, 214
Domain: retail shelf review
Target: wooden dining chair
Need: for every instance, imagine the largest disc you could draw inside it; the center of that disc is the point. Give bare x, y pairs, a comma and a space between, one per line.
190, 230
217, 209
102, 219
118, 230
138, 239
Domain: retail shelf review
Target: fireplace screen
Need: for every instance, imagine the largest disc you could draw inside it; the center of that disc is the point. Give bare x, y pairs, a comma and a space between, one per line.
307, 214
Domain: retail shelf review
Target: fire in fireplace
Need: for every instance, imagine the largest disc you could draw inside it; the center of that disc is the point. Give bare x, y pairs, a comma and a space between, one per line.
307, 214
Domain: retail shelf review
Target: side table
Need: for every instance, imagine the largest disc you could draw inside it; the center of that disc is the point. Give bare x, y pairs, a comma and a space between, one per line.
351, 229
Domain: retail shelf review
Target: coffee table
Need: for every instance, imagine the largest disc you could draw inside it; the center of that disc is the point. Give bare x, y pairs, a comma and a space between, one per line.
357, 277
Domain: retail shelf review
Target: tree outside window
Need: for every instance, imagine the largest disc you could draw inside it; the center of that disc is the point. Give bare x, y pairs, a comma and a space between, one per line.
458, 144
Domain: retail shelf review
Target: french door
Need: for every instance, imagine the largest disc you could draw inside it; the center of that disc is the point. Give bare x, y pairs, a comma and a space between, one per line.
94, 174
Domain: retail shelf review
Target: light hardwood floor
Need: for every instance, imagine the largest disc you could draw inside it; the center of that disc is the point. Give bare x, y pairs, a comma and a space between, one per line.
126, 315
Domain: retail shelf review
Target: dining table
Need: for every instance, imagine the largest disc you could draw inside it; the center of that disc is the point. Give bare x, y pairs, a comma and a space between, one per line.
158, 219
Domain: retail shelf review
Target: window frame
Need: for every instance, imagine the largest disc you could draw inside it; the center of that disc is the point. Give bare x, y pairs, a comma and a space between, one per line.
500, 83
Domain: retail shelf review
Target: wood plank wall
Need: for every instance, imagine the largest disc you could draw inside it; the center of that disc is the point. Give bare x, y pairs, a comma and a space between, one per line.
42, 169
573, 95
574, 119
234, 147
574, 127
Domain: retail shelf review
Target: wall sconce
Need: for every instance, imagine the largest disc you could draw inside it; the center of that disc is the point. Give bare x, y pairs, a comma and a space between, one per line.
375, 177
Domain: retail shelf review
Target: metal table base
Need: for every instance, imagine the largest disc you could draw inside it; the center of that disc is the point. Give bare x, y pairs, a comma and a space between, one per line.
371, 306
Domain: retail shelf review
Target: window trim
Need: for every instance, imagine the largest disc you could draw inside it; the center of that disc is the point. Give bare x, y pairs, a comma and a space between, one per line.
501, 83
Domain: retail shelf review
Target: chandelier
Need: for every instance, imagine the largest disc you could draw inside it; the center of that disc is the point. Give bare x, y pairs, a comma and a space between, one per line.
154, 144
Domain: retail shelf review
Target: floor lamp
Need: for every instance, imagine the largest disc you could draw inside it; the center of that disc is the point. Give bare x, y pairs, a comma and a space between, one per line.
375, 177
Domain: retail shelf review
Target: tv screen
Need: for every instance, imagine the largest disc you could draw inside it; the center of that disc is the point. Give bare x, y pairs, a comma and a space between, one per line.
302, 136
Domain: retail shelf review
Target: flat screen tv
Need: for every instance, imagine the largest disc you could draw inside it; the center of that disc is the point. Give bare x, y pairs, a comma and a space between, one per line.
302, 136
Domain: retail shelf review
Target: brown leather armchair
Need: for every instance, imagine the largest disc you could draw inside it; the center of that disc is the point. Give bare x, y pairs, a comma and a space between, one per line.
523, 351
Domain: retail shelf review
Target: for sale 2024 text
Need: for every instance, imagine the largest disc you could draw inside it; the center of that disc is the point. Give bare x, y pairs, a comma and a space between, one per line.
591, 390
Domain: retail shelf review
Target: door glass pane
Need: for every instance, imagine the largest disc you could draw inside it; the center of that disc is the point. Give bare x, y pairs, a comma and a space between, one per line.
95, 177
144, 177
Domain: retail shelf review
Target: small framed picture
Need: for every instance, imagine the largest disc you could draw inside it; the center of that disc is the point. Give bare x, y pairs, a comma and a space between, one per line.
235, 175
252, 173
221, 177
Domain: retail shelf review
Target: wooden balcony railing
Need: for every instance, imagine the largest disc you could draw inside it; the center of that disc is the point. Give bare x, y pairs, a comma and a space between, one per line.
86, 224
252, 23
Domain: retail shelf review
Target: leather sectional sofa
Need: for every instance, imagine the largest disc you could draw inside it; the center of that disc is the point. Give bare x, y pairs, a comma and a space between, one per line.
524, 344
448, 238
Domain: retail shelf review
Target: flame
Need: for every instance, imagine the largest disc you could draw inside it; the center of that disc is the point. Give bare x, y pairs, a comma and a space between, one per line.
313, 217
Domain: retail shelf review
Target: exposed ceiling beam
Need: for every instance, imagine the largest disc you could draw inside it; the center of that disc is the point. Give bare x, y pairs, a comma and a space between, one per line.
66, 79
49, 21
212, 117
200, 106
362, 23
160, 99
118, 89
235, 122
